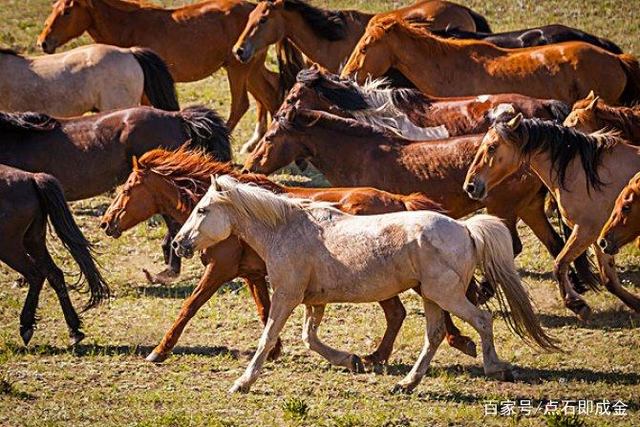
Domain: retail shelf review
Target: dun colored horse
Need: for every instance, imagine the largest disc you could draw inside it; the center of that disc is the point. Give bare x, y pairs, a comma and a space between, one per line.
27, 200
623, 225
92, 154
171, 182
540, 36
350, 153
328, 37
580, 170
363, 259
194, 40
592, 114
88, 78
449, 67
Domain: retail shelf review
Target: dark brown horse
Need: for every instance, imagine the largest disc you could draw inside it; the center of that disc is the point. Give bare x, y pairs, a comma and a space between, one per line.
171, 182
539, 36
92, 154
351, 153
27, 200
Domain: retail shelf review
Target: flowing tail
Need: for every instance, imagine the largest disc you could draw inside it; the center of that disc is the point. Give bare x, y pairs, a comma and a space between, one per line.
494, 248
208, 131
290, 63
631, 93
159, 86
55, 205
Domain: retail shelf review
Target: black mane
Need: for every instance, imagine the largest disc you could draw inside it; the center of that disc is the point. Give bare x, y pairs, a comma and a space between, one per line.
328, 24
340, 92
27, 122
562, 144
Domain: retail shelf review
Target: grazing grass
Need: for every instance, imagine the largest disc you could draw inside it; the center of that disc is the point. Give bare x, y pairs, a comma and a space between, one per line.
106, 381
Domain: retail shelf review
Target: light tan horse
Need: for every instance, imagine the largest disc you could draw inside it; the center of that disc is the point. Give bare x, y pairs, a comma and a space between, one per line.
363, 259
449, 67
195, 41
584, 172
95, 78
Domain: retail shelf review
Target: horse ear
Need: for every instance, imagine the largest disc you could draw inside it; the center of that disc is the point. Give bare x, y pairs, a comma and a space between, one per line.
515, 122
134, 162
592, 104
591, 95
214, 183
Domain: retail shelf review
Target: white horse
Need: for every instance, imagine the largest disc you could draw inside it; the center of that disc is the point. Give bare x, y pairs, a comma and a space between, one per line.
96, 77
360, 259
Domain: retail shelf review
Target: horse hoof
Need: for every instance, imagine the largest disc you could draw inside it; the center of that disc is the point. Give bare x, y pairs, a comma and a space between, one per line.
26, 335
470, 349
156, 357
165, 277
580, 308
374, 359
75, 337
238, 388
402, 389
357, 367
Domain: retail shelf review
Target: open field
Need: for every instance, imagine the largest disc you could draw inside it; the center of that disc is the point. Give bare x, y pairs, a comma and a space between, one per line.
106, 381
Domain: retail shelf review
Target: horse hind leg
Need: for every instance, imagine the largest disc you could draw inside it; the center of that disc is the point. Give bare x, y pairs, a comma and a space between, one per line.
611, 281
312, 318
435, 332
394, 314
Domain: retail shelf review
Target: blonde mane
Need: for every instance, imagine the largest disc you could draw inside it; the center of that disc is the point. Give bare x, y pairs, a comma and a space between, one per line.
253, 202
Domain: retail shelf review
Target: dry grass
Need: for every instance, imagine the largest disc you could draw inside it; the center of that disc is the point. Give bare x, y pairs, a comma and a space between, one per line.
106, 380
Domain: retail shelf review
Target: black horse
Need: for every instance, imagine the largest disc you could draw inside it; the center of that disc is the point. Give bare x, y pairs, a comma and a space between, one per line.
540, 36
26, 201
89, 155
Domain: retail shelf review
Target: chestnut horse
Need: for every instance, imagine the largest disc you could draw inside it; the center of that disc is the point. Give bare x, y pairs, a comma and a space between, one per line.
539, 36
449, 67
327, 37
89, 78
194, 40
92, 154
623, 225
27, 200
171, 182
350, 153
592, 114
582, 171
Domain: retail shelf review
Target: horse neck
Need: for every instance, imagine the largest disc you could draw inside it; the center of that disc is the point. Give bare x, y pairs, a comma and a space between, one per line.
168, 200
115, 26
329, 54
624, 119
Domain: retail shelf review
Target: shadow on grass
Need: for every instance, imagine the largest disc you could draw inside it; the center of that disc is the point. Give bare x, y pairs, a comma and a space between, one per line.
88, 350
183, 291
529, 375
605, 319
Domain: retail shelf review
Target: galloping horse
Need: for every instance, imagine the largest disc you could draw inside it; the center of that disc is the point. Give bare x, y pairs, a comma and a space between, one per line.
92, 154
449, 67
623, 225
194, 40
172, 182
592, 114
580, 170
540, 36
363, 259
26, 201
350, 153
88, 78
328, 37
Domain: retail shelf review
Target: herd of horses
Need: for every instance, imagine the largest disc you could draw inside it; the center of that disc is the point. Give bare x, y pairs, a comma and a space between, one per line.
417, 117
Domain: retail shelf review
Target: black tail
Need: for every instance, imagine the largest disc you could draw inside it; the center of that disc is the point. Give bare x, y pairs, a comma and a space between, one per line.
290, 63
558, 110
207, 130
159, 86
482, 25
55, 205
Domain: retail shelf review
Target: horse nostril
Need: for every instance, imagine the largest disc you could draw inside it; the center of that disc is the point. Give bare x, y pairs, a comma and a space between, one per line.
469, 188
104, 225
239, 52
602, 243
174, 245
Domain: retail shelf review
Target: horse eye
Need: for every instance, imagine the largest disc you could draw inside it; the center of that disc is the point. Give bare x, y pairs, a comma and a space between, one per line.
491, 149
363, 50
263, 20
202, 211
626, 208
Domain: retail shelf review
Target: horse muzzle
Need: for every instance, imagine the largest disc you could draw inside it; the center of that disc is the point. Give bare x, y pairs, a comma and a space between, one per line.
183, 248
476, 189
243, 53
48, 46
608, 247
111, 230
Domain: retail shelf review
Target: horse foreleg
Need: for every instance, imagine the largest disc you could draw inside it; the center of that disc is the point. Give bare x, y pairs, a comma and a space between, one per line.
215, 275
237, 76
258, 287
433, 337
264, 86
312, 318
611, 281
281, 307
172, 261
